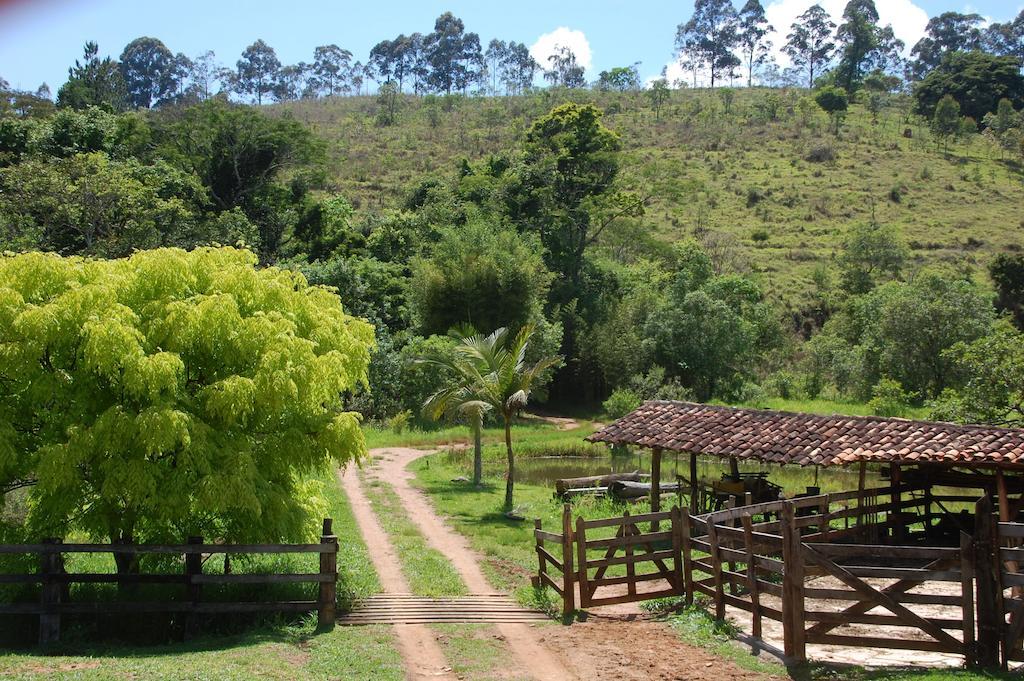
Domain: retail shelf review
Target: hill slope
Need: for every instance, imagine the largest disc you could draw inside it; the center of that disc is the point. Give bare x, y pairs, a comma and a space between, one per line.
766, 182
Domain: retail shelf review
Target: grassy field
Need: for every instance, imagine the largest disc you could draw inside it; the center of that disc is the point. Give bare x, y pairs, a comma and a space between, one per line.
739, 178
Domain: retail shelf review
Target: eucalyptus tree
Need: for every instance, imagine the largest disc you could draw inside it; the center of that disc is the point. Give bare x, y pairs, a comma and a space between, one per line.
454, 56
257, 71
710, 36
494, 57
150, 70
809, 43
752, 37
491, 370
330, 67
948, 32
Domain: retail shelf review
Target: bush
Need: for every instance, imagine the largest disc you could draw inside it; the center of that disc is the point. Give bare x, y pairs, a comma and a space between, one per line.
782, 384
821, 153
621, 402
759, 235
890, 399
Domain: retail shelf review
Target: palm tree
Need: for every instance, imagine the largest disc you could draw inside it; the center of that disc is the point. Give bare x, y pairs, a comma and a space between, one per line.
488, 372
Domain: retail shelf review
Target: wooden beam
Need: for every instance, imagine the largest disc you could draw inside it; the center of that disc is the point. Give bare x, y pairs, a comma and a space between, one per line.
693, 484
655, 485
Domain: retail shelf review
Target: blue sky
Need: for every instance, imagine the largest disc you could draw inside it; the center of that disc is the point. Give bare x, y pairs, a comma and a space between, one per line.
39, 39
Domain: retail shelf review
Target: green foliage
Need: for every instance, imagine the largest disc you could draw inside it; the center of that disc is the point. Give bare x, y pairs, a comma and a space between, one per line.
481, 275
94, 82
835, 102
174, 393
976, 80
888, 398
621, 402
1007, 271
900, 330
710, 330
871, 255
659, 94
945, 122
993, 391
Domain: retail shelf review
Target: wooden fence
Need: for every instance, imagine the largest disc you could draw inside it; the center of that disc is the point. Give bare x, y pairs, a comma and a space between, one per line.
54, 581
850, 569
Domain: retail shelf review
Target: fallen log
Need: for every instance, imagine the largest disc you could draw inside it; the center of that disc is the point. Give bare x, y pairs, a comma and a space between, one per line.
625, 489
563, 486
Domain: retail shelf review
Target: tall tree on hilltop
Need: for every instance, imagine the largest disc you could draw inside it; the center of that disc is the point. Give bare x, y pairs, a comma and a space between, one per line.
519, 68
948, 32
330, 66
862, 43
710, 36
454, 56
1007, 39
565, 71
151, 72
257, 71
809, 43
753, 29
493, 58
94, 82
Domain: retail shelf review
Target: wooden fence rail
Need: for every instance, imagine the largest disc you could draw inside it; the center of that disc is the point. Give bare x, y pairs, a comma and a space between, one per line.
816, 564
54, 581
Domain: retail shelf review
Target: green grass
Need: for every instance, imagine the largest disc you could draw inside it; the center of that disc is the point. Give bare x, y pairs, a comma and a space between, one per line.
426, 569
475, 652
525, 435
736, 176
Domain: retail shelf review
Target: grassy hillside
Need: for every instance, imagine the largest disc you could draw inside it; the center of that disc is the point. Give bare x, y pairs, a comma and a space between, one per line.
772, 196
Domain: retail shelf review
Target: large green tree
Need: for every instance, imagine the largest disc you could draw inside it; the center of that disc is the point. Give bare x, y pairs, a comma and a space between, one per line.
948, 32
151, 72
257, 71
710, 37
94, 82
173, 393
454, 56
810, 42
976, 80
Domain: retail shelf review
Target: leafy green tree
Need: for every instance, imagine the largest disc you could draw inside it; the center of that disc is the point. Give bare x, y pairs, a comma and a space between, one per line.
835, 102
1005, 127
388, 98
993, 389
858, 38
482, 276
518, 68
1007, 39
710, 37
620, 79
174, 393
659, 94
330, 66
948, 32
752, 37
872, 254
976, 80
90, 204
150, 72
257, 71
1007, 272
494, 57
454, 56
710, 330
809, 43
945, 122
94, 82
492, 370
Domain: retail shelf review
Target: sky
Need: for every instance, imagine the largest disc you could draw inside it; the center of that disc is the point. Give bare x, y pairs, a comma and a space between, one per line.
39, 39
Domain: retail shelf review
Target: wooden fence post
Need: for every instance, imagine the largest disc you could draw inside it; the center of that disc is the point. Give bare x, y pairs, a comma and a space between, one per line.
194, 589
755, 592
49, 595
794, 636
568, 574
541, 563
967, 594
583, 579
677, 549
716, 568
987, 574
684, 528
328, 596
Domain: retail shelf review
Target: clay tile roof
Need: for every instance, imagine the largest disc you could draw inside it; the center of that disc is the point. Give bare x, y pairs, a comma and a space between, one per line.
810, 439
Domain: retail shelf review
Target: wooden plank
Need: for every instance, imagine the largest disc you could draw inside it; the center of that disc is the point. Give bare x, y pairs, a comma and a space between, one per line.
628, 540
716, 570
883, 599
547, 556
882, 551
677, 550
646, 577
755, 594
967, 594
545, 578
684, 531
813, 593
843, 618
647, 556
568, 574
612, 522
177, 549
616, 600
1011, 530
297, 578
541, 535
879, 642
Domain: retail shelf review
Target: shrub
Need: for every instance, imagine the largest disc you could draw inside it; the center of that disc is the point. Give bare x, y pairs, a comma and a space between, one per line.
759, 235
821, 153
890, 399
621, 402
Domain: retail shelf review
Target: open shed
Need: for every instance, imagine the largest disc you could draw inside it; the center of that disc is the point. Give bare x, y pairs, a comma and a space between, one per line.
888, 567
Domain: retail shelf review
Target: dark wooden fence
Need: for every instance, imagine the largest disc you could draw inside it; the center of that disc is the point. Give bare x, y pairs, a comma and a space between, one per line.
54, 581
838, 569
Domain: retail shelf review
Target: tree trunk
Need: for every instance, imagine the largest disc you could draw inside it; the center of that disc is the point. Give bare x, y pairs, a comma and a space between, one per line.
511, 463
478, 463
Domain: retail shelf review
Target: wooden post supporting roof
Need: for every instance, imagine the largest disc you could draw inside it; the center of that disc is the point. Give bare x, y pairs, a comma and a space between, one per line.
693, 484
655, 485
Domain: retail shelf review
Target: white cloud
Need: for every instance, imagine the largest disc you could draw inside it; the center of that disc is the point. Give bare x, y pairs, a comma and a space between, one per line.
547, 45
907, 19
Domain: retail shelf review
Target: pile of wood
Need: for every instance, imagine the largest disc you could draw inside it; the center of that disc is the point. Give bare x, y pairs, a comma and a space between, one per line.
596, 485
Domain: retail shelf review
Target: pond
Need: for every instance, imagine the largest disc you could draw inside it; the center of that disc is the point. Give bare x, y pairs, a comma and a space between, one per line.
543, 471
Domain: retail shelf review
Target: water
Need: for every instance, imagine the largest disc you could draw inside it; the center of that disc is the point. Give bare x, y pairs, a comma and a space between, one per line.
543, 471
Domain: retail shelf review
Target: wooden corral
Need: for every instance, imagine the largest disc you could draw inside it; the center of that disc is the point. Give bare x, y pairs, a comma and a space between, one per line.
913, 565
